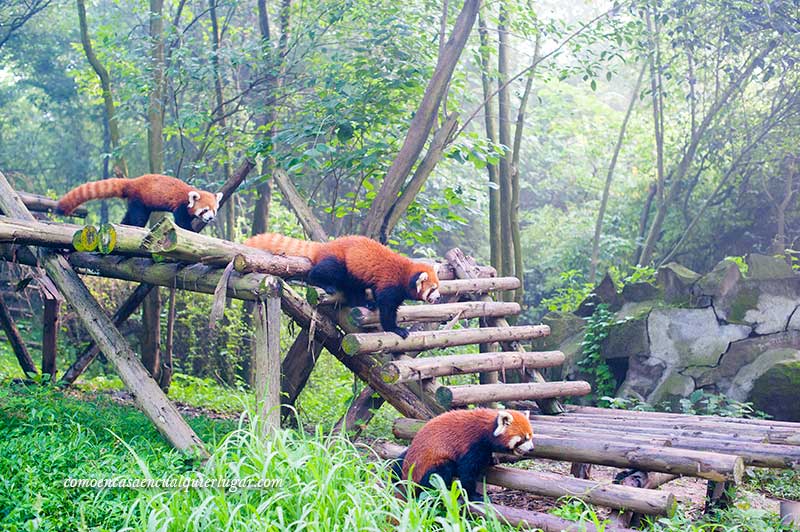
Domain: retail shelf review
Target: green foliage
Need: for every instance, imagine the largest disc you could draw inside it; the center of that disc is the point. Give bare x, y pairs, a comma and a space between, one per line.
592, 363
699, 402
783, 484
741, 263
737, 518
569, 295
632, 274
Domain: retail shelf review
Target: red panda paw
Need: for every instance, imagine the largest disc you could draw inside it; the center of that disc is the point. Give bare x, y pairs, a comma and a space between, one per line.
401, 332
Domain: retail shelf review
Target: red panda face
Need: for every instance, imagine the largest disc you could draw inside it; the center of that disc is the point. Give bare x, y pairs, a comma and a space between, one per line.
204, 204
514, 431
427, 284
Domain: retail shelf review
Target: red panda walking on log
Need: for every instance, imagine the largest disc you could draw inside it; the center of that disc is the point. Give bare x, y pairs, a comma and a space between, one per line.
145, 194
461, 442
351, 264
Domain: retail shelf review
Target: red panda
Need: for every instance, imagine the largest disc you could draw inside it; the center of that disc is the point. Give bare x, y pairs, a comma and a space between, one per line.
461, 442
145, 194
351, 264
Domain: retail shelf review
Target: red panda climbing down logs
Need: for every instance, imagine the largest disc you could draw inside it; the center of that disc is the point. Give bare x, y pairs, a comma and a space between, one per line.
145, 194
351, 264
461, 442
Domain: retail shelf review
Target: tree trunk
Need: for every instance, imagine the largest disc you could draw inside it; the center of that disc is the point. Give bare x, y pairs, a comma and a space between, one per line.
598, 228
504, 136
421, 124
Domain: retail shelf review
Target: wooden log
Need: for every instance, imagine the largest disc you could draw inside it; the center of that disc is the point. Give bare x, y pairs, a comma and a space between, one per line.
778, 435
447, 272
467, 268
50, 336
646, 501
120, 316
421, 341
366, 368
707, 465
16, 341
262, 262
431, 367
297, 366
754, 454
477, 286
362, 316
267, 355
453, 396
37, 203
165, 239
614, 413
530, 520
147, 394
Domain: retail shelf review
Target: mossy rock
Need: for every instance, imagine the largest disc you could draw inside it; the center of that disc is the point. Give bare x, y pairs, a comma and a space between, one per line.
761, 267
562, 326
626, 339
746, 299
720, 281
676, 281
674, 387
777, 391
638, 292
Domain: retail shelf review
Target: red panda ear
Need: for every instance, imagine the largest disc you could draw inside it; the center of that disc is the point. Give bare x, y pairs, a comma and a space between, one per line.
504, 419
421, 278
193, 197
219, 197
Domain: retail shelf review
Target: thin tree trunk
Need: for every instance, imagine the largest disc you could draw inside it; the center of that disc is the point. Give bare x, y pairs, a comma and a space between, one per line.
519, 267
598, 228
504, 136
105, 85
490, 118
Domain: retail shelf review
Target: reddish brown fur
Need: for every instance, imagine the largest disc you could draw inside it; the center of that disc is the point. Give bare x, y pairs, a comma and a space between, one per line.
449, 436
159, 192
369, 260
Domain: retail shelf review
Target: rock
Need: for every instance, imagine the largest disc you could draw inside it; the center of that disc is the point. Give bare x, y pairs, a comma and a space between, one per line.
741, 354
671, 388
644, 373
719, 282
794, 321
772, 313
604, 293
626, 339
766, 305
637, 292
760, 267
676, 281
743, 382
777, 391
562, 326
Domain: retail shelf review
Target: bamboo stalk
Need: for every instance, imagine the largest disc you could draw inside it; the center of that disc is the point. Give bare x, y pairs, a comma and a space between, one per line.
701, 464
421, 341
431, 367
452, 396
362, 316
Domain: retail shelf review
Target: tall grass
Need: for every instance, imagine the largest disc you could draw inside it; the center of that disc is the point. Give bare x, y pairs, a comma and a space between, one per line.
326, 483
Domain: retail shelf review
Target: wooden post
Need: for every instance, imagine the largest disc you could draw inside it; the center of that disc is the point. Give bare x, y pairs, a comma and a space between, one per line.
15, 339
267, 354
147, 394
50, 336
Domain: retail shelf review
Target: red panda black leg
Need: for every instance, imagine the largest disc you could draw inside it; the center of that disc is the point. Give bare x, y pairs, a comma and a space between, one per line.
183, 218
387, 301
137, 214
471, 467
329, 274
446, 470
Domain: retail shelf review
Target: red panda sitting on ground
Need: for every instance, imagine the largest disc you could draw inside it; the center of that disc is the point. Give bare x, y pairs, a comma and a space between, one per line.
145, 194
351, 264
460, 443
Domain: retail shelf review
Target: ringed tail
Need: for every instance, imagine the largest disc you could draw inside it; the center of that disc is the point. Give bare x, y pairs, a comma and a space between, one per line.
284, 245
106, 188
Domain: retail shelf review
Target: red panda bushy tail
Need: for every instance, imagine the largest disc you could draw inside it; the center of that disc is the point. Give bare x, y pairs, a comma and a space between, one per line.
106, 188
284, 245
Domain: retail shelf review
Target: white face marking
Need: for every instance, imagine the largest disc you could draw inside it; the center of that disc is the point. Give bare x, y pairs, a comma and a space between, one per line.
432, 294
527, 446
193, 197
512, 443
421, 279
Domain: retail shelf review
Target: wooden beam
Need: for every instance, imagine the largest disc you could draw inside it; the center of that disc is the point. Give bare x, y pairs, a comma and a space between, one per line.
267, 354
16, 340
470, 394
363, 317
50, 336
421, 341
477, 286
431, 367
297, 366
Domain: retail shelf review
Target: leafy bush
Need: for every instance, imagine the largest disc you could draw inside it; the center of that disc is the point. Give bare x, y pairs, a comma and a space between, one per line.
592, 363
568, 297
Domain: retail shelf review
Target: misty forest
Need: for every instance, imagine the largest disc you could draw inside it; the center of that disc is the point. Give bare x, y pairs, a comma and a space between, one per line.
567, 300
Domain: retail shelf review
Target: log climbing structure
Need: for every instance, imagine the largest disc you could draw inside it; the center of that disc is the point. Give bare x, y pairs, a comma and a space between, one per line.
461, 352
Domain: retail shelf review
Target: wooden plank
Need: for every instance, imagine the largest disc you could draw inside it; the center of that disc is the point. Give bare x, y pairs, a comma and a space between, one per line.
431, 367
424, 340
453, 396
363, 317
477, 286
